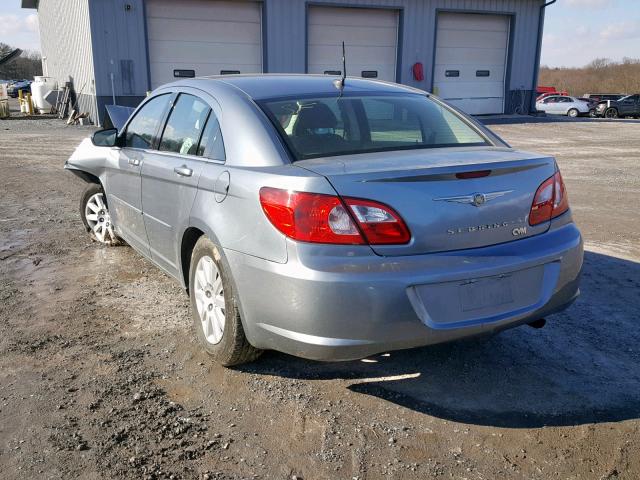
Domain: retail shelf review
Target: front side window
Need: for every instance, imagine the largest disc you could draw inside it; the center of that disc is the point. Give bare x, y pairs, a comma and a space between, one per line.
143, 127
185, 125
350, 124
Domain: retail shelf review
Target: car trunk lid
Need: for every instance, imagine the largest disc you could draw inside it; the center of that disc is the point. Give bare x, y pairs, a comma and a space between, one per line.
444, 212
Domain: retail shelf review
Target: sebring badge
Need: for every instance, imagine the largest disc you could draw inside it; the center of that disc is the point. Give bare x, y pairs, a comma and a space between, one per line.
475, 199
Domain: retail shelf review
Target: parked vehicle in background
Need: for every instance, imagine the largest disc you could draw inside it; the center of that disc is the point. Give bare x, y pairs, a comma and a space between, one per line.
563, 105
592, 105
15, 87
628, 106
544, 92
598, 97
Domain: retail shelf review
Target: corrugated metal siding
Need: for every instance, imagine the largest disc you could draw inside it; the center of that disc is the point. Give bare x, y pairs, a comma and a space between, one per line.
65, 38
120, 47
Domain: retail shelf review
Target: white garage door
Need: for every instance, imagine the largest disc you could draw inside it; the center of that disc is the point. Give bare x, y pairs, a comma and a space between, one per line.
207, 36
471, 57
370, 37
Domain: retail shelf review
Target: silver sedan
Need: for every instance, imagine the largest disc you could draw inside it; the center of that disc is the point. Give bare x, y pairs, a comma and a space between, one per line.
563, 105
331, 220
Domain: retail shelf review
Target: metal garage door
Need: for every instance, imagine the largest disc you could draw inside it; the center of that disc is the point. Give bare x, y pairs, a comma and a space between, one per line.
207, 36
471, 56
370, 37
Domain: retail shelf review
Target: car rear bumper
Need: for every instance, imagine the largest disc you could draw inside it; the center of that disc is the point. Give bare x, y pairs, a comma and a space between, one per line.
352, 303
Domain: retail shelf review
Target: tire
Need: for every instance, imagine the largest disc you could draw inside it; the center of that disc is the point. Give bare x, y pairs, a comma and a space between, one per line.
611, 113
573, 112
226, 343
97, 222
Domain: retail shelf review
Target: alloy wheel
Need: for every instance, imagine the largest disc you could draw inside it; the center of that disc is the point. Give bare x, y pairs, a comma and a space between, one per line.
209, 296
97, 215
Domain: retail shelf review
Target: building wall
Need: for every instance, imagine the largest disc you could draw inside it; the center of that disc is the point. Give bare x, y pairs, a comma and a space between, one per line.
65, 39
120, 47
108, 37
120, 52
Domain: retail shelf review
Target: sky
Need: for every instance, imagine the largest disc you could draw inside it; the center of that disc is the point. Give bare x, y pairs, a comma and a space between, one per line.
576, 31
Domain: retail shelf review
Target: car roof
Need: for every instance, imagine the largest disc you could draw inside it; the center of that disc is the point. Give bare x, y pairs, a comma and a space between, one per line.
264, 86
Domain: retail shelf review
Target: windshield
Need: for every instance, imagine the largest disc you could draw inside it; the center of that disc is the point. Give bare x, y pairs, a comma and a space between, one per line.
329, 126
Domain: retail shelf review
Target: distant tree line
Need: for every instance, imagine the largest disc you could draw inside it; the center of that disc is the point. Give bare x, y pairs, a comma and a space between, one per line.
602, 75
27, 65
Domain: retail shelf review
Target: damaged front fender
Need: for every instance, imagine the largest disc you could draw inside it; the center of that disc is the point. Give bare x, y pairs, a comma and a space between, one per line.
89, 162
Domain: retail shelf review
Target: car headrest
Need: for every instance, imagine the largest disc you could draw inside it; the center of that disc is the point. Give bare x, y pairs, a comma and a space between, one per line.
312, 116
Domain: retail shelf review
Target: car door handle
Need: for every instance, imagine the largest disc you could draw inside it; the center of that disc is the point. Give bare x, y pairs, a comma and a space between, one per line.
183, 171
134, 162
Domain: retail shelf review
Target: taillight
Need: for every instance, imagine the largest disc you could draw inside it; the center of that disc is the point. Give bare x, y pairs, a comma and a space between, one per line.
320, 218
380, 224
549, 201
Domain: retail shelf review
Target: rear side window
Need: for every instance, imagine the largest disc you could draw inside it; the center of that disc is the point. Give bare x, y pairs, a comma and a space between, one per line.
185, 125
143, 127
211, 145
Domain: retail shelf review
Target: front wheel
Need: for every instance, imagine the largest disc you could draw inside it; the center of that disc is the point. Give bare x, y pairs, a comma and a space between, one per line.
95, 215
611, 113
214, 307
573, 112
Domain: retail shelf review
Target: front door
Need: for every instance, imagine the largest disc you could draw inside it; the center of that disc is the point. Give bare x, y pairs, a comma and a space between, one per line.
629, 106
170, 179
124, 183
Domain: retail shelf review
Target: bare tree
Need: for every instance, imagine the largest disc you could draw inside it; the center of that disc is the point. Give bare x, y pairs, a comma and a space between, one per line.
27, 65
602, 75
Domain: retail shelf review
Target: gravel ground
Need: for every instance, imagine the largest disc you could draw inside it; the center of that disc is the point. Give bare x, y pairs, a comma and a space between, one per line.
100, 376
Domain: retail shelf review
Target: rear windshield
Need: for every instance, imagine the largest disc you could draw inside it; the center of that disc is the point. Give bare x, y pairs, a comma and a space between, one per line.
329, 126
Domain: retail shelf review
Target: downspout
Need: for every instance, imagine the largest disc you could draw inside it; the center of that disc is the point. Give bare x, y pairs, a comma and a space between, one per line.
536, 68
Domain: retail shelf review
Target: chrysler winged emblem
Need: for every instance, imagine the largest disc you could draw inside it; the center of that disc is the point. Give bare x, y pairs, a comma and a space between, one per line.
475, 199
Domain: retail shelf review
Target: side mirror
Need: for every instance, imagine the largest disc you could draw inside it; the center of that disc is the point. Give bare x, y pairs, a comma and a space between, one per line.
105, 138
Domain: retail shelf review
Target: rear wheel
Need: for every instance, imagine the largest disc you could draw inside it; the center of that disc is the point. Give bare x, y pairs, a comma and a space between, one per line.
573, 112
95, 215
611, 113
214, 307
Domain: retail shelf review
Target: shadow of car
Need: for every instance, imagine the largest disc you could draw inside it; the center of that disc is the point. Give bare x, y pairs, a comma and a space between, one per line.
582, 368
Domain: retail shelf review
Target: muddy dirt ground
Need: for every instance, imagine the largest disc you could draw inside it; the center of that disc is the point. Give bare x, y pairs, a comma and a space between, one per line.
100, 376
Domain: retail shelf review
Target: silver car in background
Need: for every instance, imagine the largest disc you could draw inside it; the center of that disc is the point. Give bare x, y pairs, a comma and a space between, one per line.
331, 220
563, 105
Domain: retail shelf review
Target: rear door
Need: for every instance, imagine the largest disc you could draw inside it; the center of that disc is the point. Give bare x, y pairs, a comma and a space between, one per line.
551, 105
123, 183
170, 177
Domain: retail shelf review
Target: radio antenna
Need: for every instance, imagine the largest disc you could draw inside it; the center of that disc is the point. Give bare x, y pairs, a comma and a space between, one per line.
344, 67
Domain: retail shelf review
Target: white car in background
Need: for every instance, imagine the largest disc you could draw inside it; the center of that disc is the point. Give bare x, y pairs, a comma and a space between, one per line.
563, 105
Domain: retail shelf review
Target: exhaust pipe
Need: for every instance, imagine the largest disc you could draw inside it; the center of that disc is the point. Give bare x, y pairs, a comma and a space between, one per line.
541, 322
